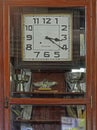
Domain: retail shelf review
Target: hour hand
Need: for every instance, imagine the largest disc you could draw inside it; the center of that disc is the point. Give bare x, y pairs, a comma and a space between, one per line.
49, 38
55, 39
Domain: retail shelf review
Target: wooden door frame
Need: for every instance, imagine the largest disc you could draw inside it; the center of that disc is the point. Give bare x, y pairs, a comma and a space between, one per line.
94, 36
1, 68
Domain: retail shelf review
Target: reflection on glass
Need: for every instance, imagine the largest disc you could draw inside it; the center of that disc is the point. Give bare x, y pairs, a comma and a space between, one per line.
64, 117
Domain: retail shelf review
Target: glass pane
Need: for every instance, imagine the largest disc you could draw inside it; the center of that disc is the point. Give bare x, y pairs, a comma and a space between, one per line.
46, 117
47, 52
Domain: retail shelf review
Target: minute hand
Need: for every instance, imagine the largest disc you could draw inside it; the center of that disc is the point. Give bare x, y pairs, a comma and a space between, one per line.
56, 39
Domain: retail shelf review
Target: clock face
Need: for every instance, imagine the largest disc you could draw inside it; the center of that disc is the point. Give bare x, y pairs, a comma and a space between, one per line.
47, 37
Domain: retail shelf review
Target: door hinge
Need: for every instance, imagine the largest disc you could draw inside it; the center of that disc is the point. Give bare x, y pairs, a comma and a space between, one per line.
91, 101
6, 102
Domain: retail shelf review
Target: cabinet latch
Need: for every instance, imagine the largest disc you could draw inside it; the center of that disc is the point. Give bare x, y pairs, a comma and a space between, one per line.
6, 102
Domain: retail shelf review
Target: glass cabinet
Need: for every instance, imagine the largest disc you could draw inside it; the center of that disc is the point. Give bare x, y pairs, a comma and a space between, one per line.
47, 65
47, 52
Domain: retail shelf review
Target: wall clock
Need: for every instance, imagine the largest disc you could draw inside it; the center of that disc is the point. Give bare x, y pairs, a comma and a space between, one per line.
47, 37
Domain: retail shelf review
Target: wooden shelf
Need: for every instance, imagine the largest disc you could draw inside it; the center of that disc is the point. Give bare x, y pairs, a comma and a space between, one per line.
48, 94
37, 121
51, 92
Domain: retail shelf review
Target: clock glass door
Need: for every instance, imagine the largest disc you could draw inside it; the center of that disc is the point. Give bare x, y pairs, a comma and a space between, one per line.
48, 87
47, 52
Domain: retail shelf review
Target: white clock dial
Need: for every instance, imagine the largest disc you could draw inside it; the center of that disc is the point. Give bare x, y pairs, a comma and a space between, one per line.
40, 34
47, 37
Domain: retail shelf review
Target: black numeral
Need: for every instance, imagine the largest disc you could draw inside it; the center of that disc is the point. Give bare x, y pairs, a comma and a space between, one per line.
36, 20
37, 53
56, 54
56, 20
29, 37
64, 27
46, 54
64, 37
29, 47
47, 20
65, 47
28, 27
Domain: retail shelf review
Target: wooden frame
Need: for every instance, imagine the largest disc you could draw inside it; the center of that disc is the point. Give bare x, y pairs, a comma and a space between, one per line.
1, 69
91, 68
94, 38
